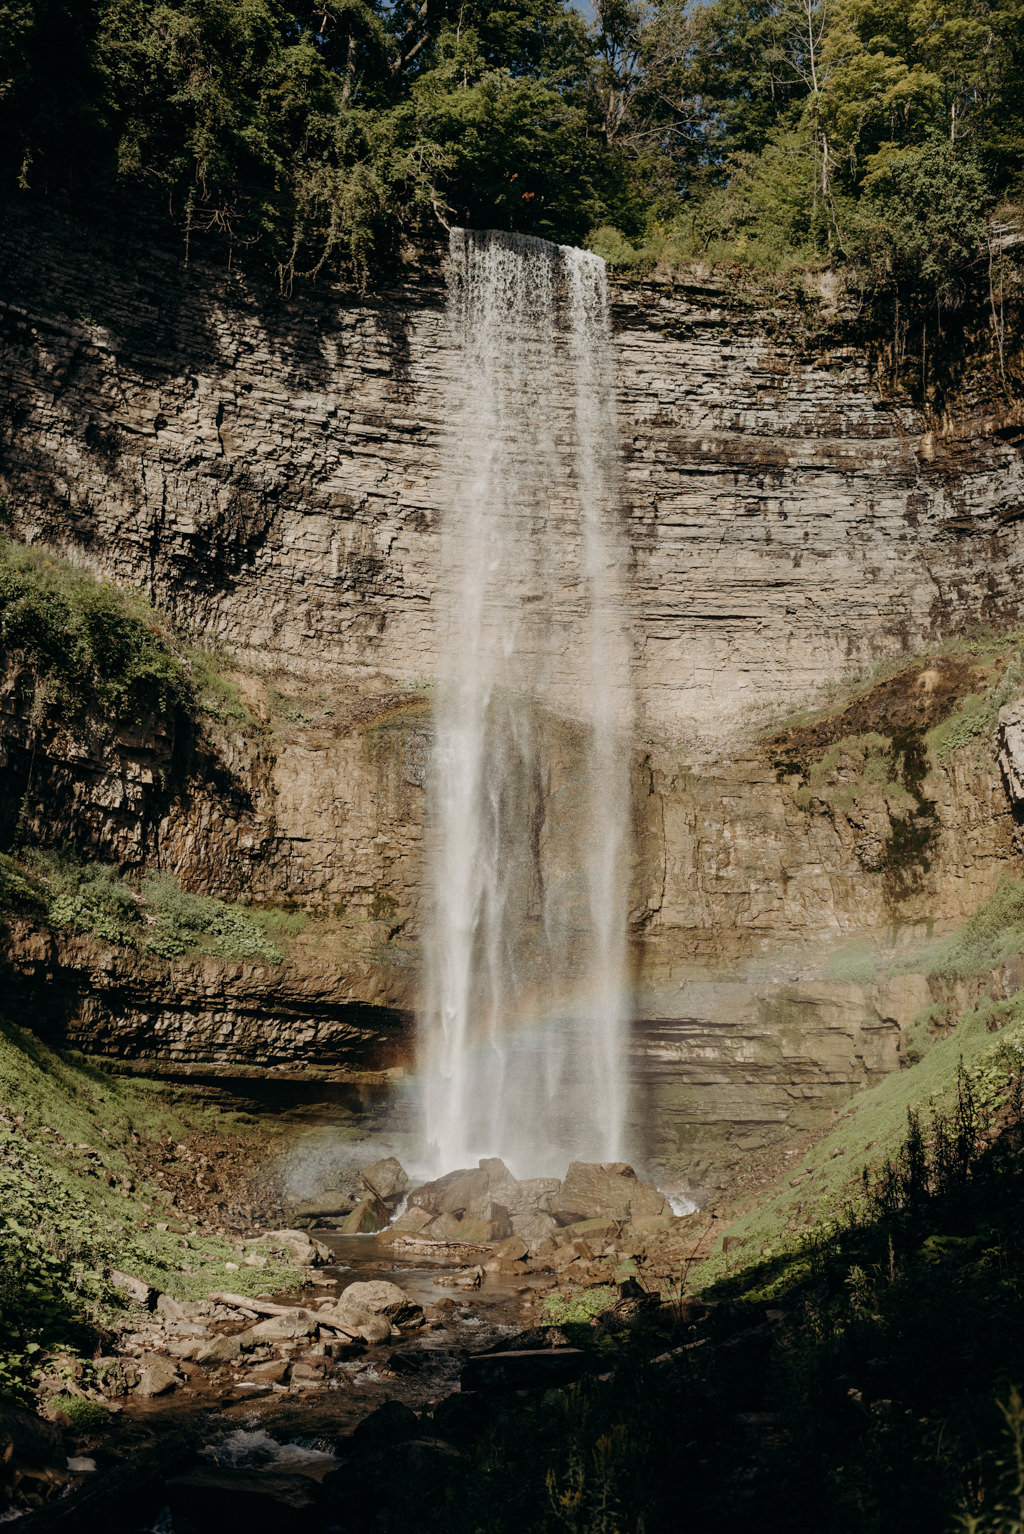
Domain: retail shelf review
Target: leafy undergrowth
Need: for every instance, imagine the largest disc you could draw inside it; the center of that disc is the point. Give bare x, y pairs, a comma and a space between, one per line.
155, 916
988, 1040
986, 667
74, 1204
86, 648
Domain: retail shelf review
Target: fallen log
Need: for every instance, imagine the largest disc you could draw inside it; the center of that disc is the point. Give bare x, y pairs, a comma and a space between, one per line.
268, 1308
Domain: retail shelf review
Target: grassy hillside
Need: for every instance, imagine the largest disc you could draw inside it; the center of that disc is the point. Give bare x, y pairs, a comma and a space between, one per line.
80, 1193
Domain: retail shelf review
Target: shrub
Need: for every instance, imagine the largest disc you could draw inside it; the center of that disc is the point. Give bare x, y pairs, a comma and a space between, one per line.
183, 923
84, 645
91, 898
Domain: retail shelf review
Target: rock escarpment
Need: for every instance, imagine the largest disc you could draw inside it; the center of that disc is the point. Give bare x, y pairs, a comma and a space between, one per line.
273, 472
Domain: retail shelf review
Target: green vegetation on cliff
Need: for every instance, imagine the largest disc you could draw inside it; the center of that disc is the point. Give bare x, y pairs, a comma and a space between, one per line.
155, 915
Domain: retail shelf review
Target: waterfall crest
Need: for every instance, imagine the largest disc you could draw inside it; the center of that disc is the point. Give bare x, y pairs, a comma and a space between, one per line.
522, 1028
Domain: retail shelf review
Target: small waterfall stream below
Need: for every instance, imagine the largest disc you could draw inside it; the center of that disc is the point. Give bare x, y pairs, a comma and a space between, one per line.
522, 1032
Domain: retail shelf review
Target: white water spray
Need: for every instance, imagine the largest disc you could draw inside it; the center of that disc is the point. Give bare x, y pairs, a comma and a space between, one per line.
522, 1032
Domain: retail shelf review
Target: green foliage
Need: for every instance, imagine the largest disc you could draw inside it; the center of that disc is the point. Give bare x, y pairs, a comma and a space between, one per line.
82, 644
159, 917
20, 894
185, 923
919, 226
856, 963
856, 766
1003, 1509
577, 1308
89, 897
986, 939
72, 1206
85, 1416
323, 137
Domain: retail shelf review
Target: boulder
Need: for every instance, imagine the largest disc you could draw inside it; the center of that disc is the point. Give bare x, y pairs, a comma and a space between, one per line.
490, 1222
391, 1423
136, 1289
536, 1194
26, 1441
369, 1216
222, 1350
387, 1180
157, 1377
605, 1190
533, 1228
370, 1327
327, 1205
454, 1193
388, 1488
443, 1227
411, 1223
296, 1326
382, 1299
515, 1249
301, 1248
502, 1187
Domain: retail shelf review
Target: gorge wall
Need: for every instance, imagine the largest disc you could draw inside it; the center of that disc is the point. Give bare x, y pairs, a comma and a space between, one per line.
268, 469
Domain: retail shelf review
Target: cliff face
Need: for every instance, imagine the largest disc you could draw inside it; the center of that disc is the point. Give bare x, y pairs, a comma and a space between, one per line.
272, 471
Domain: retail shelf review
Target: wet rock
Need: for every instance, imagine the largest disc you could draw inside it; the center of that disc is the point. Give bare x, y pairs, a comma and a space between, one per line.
391, 1423
116, 1376
414, 1220
606, 1190
295, 1326
26, 1441
470, 1278
327, 1205
369, 1216
209, 1500
454, 1193
383, 1299
462, 1416
273, 1372
157, 1376
490, 1222
387, 1180
369, 1327
391, 1484
302, 1249
136, 1288
309, 1373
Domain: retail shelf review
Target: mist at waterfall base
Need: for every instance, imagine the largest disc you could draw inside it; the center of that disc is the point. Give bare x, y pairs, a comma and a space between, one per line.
522, 1050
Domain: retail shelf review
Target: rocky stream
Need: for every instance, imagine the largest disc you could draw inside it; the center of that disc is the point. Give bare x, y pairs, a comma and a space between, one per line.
423, 1315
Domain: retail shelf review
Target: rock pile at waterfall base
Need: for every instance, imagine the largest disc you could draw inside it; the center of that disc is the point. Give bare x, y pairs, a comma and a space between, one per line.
486, 1204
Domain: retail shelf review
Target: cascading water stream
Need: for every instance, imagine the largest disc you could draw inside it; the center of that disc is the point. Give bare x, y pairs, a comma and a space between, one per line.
522, 1032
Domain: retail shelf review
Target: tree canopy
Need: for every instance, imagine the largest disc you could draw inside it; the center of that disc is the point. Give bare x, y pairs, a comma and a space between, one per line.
877, 132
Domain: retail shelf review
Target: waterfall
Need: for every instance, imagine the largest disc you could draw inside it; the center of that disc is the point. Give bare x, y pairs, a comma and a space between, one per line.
523, 1022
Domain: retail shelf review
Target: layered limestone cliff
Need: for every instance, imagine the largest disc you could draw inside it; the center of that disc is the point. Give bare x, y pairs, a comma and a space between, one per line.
271, 471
